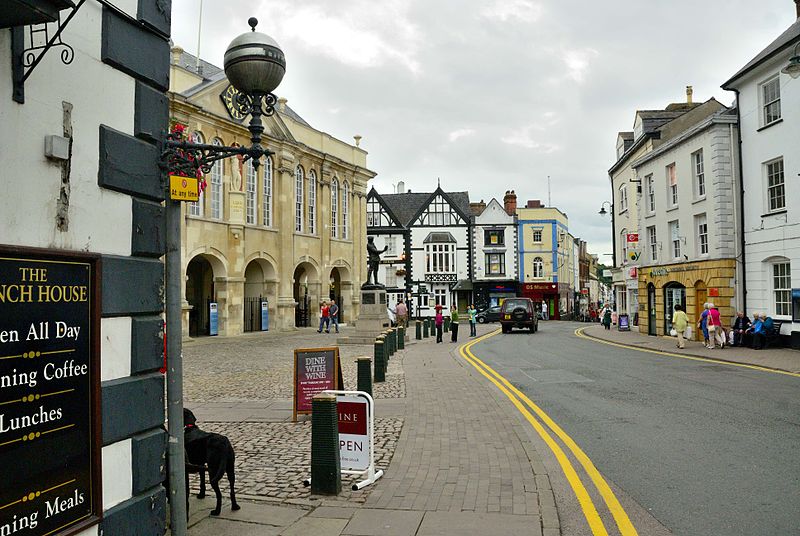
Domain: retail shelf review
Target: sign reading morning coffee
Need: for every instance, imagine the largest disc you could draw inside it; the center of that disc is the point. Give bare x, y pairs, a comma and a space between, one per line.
315, 370
49, 392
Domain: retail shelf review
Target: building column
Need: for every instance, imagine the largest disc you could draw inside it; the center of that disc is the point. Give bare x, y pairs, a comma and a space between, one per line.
283, 220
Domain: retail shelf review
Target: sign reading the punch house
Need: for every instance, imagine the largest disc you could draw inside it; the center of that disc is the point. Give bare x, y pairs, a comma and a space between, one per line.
49, 392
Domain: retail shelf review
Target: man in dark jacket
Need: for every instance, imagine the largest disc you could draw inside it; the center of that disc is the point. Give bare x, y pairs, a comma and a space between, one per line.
740, 327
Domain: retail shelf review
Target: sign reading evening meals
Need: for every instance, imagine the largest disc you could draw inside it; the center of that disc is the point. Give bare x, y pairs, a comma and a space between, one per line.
315, 370
49, 393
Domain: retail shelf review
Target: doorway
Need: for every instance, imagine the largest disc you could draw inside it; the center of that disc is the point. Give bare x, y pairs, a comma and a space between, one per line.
199, 294
651, 309
674, 294
700, 299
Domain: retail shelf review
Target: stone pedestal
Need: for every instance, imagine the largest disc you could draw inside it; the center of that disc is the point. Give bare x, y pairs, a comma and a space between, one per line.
372, 317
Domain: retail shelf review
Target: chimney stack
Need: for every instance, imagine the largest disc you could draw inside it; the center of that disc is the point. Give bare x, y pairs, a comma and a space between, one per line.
534, 203
510, 202
689, 92
477, 208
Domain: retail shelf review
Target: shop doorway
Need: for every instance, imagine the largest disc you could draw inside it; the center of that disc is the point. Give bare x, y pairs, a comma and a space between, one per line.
335, 290
674, 294
302, 298
700, 299
651, 309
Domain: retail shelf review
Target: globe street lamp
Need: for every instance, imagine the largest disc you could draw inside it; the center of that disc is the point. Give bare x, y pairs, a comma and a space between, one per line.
254, 65
603, 211
793, 69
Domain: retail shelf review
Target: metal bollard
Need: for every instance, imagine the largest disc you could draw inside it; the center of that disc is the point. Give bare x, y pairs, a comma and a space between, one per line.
401, 334
364, 374
326, 473
393, 337
446, 324
425, 328
380, 367
418, 325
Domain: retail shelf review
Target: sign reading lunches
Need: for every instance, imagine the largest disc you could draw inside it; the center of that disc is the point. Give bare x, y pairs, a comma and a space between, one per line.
49, 392
315, 370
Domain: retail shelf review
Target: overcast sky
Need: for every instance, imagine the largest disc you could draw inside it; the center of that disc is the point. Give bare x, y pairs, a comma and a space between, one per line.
497, 94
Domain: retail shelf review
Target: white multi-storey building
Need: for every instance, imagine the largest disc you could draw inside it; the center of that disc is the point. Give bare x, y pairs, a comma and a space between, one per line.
768, 99
494, 254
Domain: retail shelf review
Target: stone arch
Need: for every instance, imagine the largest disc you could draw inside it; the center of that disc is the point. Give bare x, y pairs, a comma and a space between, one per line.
340, 288
306, 291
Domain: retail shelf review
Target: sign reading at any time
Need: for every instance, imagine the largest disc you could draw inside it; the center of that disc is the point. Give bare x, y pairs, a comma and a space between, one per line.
49, 392
183, 188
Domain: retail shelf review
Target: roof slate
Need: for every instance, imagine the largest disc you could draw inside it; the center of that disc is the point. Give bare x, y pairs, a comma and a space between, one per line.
405, 206
784, 40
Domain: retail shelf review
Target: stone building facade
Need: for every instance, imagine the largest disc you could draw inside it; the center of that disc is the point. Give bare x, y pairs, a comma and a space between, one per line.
285, 236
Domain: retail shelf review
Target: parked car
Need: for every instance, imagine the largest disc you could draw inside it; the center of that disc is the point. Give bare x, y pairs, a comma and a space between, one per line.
492, 314
518, 313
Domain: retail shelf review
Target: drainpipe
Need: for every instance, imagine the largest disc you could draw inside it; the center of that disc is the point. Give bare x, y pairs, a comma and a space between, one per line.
741, 199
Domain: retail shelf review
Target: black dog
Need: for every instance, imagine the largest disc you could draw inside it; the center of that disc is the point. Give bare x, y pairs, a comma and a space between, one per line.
212, 450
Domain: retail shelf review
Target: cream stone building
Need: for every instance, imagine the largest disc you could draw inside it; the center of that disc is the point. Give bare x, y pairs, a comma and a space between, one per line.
282, 237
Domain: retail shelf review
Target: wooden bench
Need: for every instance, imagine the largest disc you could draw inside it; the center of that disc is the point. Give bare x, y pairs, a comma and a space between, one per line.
773, 337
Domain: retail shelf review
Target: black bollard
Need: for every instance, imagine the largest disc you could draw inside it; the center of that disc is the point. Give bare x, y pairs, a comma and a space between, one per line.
326, 473
425, 328
446, 324
364, 374
401, 338
418, 324
380, 367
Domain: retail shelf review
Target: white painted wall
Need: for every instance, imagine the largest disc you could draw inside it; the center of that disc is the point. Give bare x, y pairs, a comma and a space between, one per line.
494, 216
769, 237
99, 220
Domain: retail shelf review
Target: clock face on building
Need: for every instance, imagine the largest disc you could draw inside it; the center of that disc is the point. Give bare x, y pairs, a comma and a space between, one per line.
230, 98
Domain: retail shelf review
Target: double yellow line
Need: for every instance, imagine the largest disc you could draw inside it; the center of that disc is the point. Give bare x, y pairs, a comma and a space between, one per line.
520, 401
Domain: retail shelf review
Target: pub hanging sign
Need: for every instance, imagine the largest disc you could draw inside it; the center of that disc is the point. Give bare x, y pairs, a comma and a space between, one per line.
49, 392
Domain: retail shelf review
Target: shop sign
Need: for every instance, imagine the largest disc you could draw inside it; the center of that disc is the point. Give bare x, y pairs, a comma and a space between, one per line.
632, 238
623, 323
315, 370
584, 291
713, 292
49, 392
658, 271
633, 272
606, 273
541, 286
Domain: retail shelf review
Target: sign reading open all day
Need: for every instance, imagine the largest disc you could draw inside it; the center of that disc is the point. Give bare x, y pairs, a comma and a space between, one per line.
49, 389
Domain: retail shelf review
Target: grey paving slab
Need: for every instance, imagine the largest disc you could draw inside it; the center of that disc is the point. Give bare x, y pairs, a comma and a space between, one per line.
264, 514
333, 512
315, 526
478, 524
371, 522
218, 527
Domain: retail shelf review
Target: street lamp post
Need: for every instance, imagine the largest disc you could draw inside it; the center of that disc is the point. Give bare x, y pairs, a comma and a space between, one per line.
254, 65
603, 212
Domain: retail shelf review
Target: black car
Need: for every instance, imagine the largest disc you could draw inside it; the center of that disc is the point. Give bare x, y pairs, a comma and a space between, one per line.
519, 313
492, 314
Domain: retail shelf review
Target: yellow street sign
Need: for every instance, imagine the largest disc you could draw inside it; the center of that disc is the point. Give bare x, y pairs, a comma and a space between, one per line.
183, 188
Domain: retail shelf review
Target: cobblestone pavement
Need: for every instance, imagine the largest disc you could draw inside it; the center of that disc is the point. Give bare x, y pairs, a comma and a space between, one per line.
259, 366
273, 459
242, 387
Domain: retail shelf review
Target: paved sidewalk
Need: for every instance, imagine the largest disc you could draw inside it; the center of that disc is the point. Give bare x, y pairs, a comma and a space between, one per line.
458, 467
784, 359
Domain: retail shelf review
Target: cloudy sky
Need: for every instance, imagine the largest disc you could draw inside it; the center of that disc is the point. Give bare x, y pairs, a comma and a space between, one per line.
496, 94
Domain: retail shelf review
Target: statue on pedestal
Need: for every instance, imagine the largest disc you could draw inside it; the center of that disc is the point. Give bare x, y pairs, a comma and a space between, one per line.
372, 264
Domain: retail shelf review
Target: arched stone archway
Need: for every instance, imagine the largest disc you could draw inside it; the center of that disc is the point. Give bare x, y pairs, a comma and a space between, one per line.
306, 293
260, 285
199, 294
340, 288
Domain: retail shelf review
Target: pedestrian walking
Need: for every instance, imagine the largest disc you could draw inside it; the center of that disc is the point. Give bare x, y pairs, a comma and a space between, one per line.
679, 323
439, 321
607, 318
703, 326
472, 312
333, 314
324, 318
544, 310
453, 323
713, 324
401, 313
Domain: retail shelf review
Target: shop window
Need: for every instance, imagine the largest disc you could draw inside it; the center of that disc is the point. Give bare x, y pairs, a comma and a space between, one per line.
782, 288
494, 237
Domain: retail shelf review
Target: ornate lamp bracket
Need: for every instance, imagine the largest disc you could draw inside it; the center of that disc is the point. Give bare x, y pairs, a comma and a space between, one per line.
25, 60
